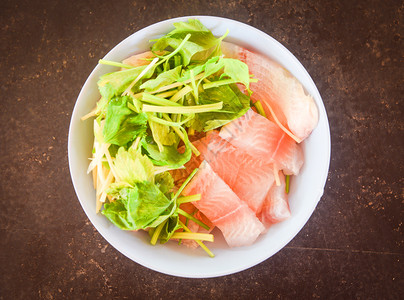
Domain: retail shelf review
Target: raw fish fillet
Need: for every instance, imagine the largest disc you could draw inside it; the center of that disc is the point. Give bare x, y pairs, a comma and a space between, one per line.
254, 179
210, 147
249, 178
221, 156
294, 108
264, 140
238, 223
276, 206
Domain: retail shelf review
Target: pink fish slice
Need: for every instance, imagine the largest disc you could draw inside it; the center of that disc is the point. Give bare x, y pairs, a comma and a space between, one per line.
248, 177
280, 92
237, 222
276, 207
265, 141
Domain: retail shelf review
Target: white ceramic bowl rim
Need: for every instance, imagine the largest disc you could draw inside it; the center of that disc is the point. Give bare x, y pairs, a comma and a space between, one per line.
306, 189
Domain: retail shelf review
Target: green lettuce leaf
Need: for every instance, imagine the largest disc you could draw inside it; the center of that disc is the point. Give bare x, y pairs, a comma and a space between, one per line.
201, 40
117, 213
113, 150
164, 78
122, 125
212, 66
139, 207
236, 70
164, 181
169, 228
163, 135
101, 109
114, 84
170, 155
187, 51
235, 104
115, 187
132, 167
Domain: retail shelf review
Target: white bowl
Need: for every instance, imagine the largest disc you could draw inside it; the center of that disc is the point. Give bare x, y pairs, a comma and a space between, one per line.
305, 192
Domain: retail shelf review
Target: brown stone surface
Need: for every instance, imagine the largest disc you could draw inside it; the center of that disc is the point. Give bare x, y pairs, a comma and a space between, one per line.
353, 245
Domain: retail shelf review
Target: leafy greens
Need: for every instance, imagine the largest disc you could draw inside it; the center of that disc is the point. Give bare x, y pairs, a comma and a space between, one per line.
142, 123
122, 125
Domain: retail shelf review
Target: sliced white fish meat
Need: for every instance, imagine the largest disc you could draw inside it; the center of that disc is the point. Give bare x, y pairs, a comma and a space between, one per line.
279, 89
237, 222
265, 141
276, 206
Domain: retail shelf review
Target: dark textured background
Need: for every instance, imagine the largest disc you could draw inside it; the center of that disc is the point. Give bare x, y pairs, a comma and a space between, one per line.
353, 245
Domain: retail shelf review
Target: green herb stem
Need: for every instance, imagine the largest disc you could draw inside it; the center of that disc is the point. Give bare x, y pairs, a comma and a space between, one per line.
190, 198
260, 109
157, 232
287, 183
191, 217
166, 65
177, 60
168, 123
198, 241
167, 94
132, 107
193, 236
181, 93
182, 136
183, 109
182, 187
190, 117
176, 84
159, 69
152, 99
166, 58
115, 64
194, 87
217, 83
186, 224
140, 76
